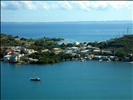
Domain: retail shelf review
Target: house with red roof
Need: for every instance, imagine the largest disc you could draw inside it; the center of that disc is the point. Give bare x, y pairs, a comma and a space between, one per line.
8, 52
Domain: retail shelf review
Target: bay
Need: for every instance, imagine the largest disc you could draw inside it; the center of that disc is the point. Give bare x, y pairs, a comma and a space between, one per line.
91, 80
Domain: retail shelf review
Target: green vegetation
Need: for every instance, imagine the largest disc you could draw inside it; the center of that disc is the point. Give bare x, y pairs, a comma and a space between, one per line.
38, 45
1, 53
47, 57
57, 39
121, 47
43, 43
9, 40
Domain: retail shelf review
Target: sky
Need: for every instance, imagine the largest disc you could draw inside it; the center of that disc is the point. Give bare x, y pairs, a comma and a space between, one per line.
62, 11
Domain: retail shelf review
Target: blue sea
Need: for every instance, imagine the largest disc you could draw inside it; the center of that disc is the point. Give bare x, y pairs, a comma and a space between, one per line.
70, 31
70, 80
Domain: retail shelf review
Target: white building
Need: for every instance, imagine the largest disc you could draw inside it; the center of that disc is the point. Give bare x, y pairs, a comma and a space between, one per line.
76, 43
15, 57
6, 57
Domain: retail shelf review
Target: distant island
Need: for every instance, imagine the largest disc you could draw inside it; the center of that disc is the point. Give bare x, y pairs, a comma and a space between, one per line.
46, 50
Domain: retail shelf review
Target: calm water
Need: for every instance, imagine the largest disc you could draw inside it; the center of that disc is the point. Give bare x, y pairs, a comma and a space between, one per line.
71, 31
91, 80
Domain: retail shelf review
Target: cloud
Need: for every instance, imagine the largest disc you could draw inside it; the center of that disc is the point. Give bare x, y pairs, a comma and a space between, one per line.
102, 5
16, 5
66, 5
82, 5
42, 5
28, 5
12, 5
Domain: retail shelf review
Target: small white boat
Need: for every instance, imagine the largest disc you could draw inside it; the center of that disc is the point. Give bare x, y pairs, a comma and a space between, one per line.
100, 60
35, 79
131, 62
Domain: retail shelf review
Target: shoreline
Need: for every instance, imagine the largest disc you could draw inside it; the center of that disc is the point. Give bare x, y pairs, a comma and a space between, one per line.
47, 50
80, 60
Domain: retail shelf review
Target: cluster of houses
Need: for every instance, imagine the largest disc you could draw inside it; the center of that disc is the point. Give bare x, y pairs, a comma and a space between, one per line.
88, 52
84, 52
14, 55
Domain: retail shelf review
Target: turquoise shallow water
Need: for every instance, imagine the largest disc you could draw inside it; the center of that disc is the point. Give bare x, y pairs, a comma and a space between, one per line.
91, 80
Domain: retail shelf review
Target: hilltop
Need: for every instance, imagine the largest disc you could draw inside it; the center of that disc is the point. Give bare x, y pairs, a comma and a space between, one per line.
121, 47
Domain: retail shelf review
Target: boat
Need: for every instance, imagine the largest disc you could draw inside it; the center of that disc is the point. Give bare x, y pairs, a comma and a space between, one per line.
35, 79
131, 62
100, 60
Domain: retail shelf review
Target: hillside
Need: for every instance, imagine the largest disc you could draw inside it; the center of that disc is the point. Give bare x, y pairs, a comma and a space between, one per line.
121, 46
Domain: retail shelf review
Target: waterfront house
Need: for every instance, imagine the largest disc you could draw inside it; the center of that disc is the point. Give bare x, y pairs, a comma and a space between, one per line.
89, 57
57, 50
97, 57
92, 55
6, 57
15, 57
112, 57
8, 52
105, 57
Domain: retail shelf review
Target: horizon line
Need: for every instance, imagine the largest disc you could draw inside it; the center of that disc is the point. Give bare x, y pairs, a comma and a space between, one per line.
63, 21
